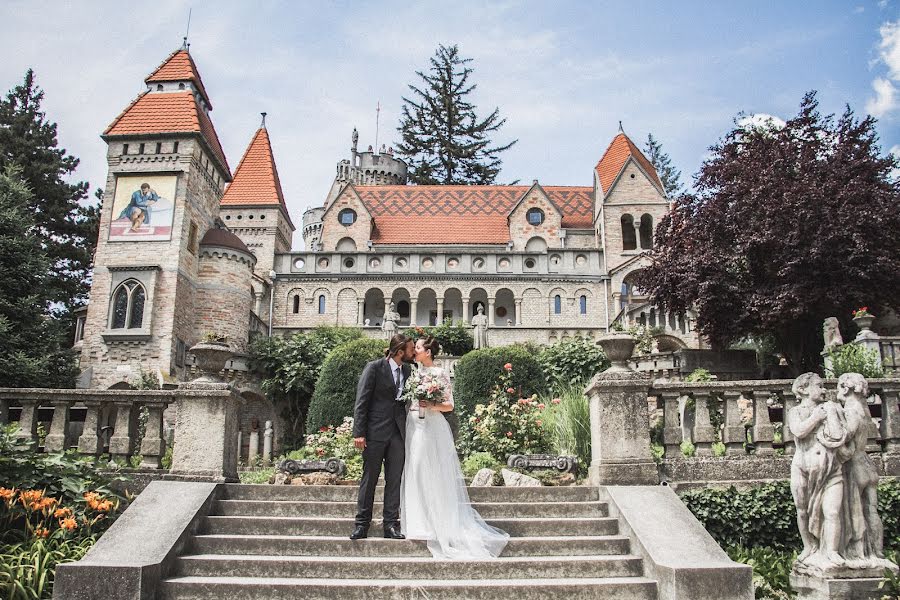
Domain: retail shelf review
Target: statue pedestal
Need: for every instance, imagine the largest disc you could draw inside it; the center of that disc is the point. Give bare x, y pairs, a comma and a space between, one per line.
809, 587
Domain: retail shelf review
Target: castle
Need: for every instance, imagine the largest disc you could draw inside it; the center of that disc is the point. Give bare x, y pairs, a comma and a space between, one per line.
187, 249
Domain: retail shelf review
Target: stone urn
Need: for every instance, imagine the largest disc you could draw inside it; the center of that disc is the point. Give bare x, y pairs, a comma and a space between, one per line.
210, 359
864, 322
618, 347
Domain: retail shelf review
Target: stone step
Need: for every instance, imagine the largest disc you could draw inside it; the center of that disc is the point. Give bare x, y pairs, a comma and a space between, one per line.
488, 510
425, 568
348, 493
289, 545
263, 588
522, 527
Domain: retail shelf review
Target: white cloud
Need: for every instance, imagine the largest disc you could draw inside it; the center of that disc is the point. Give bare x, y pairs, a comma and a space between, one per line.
889, 48
761, 121
885, 99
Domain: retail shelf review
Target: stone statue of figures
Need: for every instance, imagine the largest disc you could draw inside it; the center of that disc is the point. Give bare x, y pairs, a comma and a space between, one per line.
832, 333
480, 323
391, 318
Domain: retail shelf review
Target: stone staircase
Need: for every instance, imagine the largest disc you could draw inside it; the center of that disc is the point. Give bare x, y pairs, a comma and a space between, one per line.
279, 542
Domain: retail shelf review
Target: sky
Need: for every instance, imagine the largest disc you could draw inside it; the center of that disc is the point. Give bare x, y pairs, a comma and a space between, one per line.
563, 74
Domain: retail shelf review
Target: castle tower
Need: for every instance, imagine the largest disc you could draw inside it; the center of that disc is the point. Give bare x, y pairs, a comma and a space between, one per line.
167, 172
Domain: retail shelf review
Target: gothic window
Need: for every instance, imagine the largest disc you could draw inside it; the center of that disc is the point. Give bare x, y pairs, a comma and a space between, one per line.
582, 305
296, 304
159, 147
322, 305
646, 228
535, 216
192, 239
141, 149
128, 306
124, 149
175, 147
557, 304
629, 239
347, 217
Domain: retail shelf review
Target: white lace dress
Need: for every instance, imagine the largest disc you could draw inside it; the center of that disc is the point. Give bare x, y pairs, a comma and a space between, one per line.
434, 503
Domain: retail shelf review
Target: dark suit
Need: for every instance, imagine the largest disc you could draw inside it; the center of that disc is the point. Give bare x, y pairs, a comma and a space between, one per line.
381, 419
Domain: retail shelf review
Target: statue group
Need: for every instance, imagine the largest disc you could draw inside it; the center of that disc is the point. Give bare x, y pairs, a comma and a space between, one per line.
833, 480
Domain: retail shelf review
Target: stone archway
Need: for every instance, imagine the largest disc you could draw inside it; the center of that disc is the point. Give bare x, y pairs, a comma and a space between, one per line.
373, 307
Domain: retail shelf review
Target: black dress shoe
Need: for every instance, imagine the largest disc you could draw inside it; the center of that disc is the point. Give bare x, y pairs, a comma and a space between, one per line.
359, 532
392, 532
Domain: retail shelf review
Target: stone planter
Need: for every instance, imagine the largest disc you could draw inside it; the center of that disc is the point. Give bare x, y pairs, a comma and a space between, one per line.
618, 347
210, 359
865, 327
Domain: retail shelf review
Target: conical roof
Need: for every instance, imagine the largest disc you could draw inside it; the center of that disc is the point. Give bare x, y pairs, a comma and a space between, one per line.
615, 158
256, 181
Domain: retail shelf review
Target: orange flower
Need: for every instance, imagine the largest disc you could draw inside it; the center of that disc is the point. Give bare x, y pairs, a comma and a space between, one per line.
104, 505
30, 496
7, 493
41, 532
62, 513
68, 523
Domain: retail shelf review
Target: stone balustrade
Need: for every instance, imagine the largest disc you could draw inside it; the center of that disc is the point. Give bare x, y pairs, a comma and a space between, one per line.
108, 418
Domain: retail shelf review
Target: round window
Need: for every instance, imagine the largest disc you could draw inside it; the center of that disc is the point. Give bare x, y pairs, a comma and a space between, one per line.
400, 263
347, 217
535, 216
375, 263
504, 263
299, 263
555, 259
580, 260
529, 263
427, 262
478, 263
501, 311
348, 263
453, 263
323, 263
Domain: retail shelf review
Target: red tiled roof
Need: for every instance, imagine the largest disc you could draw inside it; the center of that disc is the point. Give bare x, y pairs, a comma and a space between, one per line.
179, 66
256, 180
168, 112
446, 214
615, 157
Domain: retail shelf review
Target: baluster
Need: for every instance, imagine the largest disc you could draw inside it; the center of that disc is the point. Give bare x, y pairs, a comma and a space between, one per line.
89, 442
153, 446
671, 424
763, 431
704, 433
872, 434
28, 420
56, 437
734, 434
121, 443
4, 411
890, 418
789, 401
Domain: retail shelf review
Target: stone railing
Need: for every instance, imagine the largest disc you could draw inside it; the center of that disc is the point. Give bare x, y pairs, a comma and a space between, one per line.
94, 422
889, 348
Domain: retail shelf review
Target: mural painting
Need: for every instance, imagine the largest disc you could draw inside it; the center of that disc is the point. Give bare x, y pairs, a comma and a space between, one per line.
143, 208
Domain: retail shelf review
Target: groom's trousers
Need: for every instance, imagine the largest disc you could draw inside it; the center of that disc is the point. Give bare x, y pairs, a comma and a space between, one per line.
393, 454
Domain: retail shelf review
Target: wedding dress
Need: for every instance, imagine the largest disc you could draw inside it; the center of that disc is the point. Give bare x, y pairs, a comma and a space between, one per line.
434, 503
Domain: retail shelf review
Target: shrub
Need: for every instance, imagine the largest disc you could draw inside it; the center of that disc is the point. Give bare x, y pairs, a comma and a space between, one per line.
569, 424
855, 358
480, 460
698, 375
476, 375
335, 392
455, 338
508, 423
571, 362
771, 570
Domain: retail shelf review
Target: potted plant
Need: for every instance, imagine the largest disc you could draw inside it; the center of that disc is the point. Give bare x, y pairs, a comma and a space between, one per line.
618, 347
863, 319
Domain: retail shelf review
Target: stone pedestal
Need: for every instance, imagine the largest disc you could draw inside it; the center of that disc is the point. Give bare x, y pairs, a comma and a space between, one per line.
620, 435
206, 433
834, 588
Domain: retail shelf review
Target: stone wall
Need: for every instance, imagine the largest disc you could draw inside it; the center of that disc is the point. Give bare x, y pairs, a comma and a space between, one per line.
223, 293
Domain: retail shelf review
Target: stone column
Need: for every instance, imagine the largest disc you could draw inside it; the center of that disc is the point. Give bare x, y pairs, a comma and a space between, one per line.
89, 442
620, 436
704, 433
890, 418
206, 433
153, 446
733, 435
671, 425
267, 443
440, 311
121, 444
240, 439
257, 303
360, 312
465, 309
788, 401
518, 311
490, 312
387, 305
413, 310
28, 420
763, 431
253, 451
56, 437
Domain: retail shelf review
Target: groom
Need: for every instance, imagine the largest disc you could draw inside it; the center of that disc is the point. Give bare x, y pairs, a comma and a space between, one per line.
379, 429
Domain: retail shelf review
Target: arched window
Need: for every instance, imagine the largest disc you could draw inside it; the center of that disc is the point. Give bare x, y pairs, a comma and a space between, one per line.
322, 304
296, 303
557, 304
582, 305
128, 306
646, 228
629, 239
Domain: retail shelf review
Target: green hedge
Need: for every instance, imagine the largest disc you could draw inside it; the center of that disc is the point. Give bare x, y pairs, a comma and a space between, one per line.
335, 391
455, 338
571, 362
479, 371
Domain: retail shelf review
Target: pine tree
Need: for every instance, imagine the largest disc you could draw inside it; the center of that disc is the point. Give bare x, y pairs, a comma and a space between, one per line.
66, 228
443, 139
34, 352
668, 174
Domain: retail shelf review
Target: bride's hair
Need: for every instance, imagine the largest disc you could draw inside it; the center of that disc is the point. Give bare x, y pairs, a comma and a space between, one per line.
430, 343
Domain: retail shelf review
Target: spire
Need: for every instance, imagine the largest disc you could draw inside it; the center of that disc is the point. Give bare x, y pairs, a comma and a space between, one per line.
262, 125
179, 67
620, 127
616, 157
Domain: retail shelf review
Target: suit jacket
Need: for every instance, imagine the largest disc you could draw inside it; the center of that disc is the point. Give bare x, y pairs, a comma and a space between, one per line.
377, 415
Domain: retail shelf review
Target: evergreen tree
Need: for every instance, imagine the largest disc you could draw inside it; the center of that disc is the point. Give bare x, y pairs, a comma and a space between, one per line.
32, 342
443, 139
668, 174
66, 228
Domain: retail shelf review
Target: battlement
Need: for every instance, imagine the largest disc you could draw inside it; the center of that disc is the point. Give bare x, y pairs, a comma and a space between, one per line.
371, 168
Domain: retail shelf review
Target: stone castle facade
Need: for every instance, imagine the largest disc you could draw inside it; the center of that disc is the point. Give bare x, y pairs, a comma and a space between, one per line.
212, 256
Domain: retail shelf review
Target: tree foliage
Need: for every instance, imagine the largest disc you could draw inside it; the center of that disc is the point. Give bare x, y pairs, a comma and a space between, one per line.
33, 344
476, 375
789, 225
668, 174
443, 139
67, 229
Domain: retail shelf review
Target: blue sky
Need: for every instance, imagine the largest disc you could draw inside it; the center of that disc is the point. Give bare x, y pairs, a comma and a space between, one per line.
563, 74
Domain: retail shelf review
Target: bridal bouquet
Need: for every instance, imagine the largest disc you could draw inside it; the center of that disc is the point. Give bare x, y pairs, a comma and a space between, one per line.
424, 386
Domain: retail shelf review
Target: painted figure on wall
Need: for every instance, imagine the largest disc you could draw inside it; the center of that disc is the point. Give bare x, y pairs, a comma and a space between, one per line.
139, 209
143, 208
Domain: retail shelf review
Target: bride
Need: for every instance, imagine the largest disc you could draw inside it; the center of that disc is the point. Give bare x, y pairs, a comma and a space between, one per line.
434, 502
